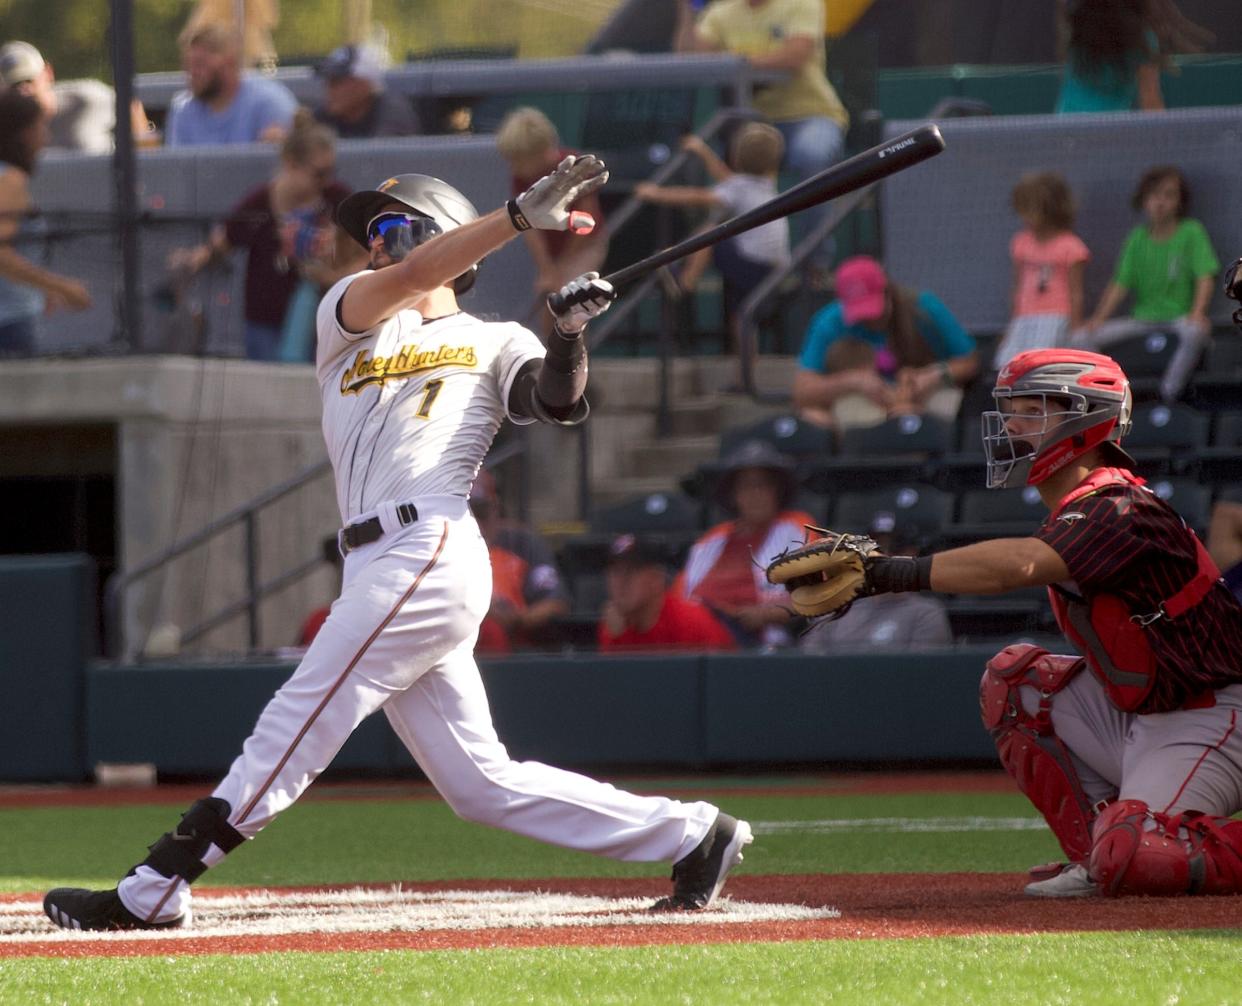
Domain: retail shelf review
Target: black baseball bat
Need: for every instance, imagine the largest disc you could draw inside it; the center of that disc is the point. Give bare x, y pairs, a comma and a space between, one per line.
857, 172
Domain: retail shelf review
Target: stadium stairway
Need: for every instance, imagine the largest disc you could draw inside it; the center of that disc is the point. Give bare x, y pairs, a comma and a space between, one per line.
629, 454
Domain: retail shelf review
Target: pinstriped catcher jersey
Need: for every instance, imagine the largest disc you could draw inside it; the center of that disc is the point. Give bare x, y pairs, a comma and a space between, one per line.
411, 407
1124, 540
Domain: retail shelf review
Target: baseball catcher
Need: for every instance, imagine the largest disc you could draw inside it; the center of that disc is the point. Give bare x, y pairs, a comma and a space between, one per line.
1132, 752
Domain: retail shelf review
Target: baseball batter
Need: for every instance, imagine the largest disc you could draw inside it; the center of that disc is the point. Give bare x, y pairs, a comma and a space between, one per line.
1133, 752
414, 390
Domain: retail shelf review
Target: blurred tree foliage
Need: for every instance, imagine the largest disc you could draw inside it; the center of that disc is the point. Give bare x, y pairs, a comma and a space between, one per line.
73, 34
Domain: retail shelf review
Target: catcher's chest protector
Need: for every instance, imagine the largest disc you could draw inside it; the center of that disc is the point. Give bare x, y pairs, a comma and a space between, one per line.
1031, 752
1112, 636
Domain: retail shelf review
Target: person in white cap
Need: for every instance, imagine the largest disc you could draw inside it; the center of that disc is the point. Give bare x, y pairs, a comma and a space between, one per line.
355, 102
81, 113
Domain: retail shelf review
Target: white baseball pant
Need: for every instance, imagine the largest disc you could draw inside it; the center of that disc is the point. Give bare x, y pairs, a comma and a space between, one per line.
401, 638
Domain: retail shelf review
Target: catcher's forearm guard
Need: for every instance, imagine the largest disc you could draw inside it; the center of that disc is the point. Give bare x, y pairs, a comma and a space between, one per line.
824, 577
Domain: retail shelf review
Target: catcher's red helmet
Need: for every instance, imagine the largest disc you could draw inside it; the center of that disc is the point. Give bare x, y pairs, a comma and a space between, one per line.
1086, 404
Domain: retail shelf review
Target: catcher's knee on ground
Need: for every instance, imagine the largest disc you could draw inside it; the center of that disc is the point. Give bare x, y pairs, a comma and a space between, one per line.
1031, 752
1141, 851
180, 852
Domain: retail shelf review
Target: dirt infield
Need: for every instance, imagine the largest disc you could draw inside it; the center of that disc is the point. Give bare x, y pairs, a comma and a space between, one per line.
816, 907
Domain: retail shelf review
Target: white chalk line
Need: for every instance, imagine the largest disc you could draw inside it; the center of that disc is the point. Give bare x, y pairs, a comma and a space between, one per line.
892, 825
355, 910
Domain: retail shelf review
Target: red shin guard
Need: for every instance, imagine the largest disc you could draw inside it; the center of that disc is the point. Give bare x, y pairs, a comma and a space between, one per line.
1037, 759
1141, 851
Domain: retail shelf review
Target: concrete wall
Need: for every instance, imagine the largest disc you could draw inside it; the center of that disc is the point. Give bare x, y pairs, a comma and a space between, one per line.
195, 439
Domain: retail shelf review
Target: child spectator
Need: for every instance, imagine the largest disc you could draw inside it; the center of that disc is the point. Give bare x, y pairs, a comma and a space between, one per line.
529, 142
881, 350
1049, 260
1170, 267
747, 181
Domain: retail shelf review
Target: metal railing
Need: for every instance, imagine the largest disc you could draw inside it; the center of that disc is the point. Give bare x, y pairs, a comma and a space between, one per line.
118, 646
748, 324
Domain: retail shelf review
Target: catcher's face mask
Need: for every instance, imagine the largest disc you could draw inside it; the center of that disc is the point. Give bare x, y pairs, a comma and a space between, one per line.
1021, 428
1052, 406
400, 233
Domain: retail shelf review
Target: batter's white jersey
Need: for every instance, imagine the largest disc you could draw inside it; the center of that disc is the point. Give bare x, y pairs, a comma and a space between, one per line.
411, 407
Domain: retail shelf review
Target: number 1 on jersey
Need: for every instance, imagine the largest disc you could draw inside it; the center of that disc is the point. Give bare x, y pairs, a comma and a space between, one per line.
429, 397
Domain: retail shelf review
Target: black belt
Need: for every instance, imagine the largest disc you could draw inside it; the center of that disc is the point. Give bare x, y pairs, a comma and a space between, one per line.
354, 536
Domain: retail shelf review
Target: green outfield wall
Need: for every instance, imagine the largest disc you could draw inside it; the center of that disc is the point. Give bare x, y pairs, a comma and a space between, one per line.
587, 711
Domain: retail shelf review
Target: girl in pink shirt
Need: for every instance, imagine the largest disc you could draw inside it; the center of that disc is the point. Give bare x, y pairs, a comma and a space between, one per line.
1049, 260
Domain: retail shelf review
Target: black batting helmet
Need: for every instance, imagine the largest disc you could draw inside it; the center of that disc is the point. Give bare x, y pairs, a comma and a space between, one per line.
422, 194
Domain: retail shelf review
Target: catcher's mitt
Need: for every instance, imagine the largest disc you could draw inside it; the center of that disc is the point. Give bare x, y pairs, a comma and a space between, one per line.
825, 576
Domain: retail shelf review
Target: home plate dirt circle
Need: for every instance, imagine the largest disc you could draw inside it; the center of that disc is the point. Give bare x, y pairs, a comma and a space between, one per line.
264, 913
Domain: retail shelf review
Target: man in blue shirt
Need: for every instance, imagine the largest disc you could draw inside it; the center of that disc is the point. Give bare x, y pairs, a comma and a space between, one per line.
881, 350
222, 106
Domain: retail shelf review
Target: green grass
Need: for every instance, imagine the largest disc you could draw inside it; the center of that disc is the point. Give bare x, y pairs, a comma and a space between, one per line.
1137, 969
330, 841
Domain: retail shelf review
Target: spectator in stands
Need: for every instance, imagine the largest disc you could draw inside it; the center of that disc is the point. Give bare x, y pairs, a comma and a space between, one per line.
643, 612
285, 225
1049, 261
881, 350
355, 101
82, 112
886, 621
527, 594
747, 181
725, 568
27, 291
1116, 49
779, 35
529, 142
222, 106
1169, 265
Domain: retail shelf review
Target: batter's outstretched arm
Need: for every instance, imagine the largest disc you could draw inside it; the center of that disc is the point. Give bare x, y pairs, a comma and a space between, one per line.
997, 566
380, 294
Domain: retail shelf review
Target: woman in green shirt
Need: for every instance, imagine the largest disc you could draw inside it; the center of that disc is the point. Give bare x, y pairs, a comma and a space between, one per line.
1169, 266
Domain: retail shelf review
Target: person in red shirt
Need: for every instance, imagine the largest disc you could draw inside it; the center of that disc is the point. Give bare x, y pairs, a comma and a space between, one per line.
528, 141
643, 613
1132, 752
725, 568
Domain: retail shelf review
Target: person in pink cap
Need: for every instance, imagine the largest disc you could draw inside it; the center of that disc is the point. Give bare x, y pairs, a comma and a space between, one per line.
881, 350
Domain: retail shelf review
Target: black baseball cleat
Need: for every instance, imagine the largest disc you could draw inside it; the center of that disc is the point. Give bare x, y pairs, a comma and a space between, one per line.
78, 908
699, 876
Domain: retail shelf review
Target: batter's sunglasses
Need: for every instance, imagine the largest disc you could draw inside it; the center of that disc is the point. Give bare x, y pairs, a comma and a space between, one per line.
389, 225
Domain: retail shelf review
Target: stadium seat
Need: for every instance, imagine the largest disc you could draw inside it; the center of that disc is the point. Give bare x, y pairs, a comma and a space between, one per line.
1166, 439
790, 435
901, 449
1217, 384
995, 513
1009, 615
1222, 460
922, 506
653, 513
1143, 355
